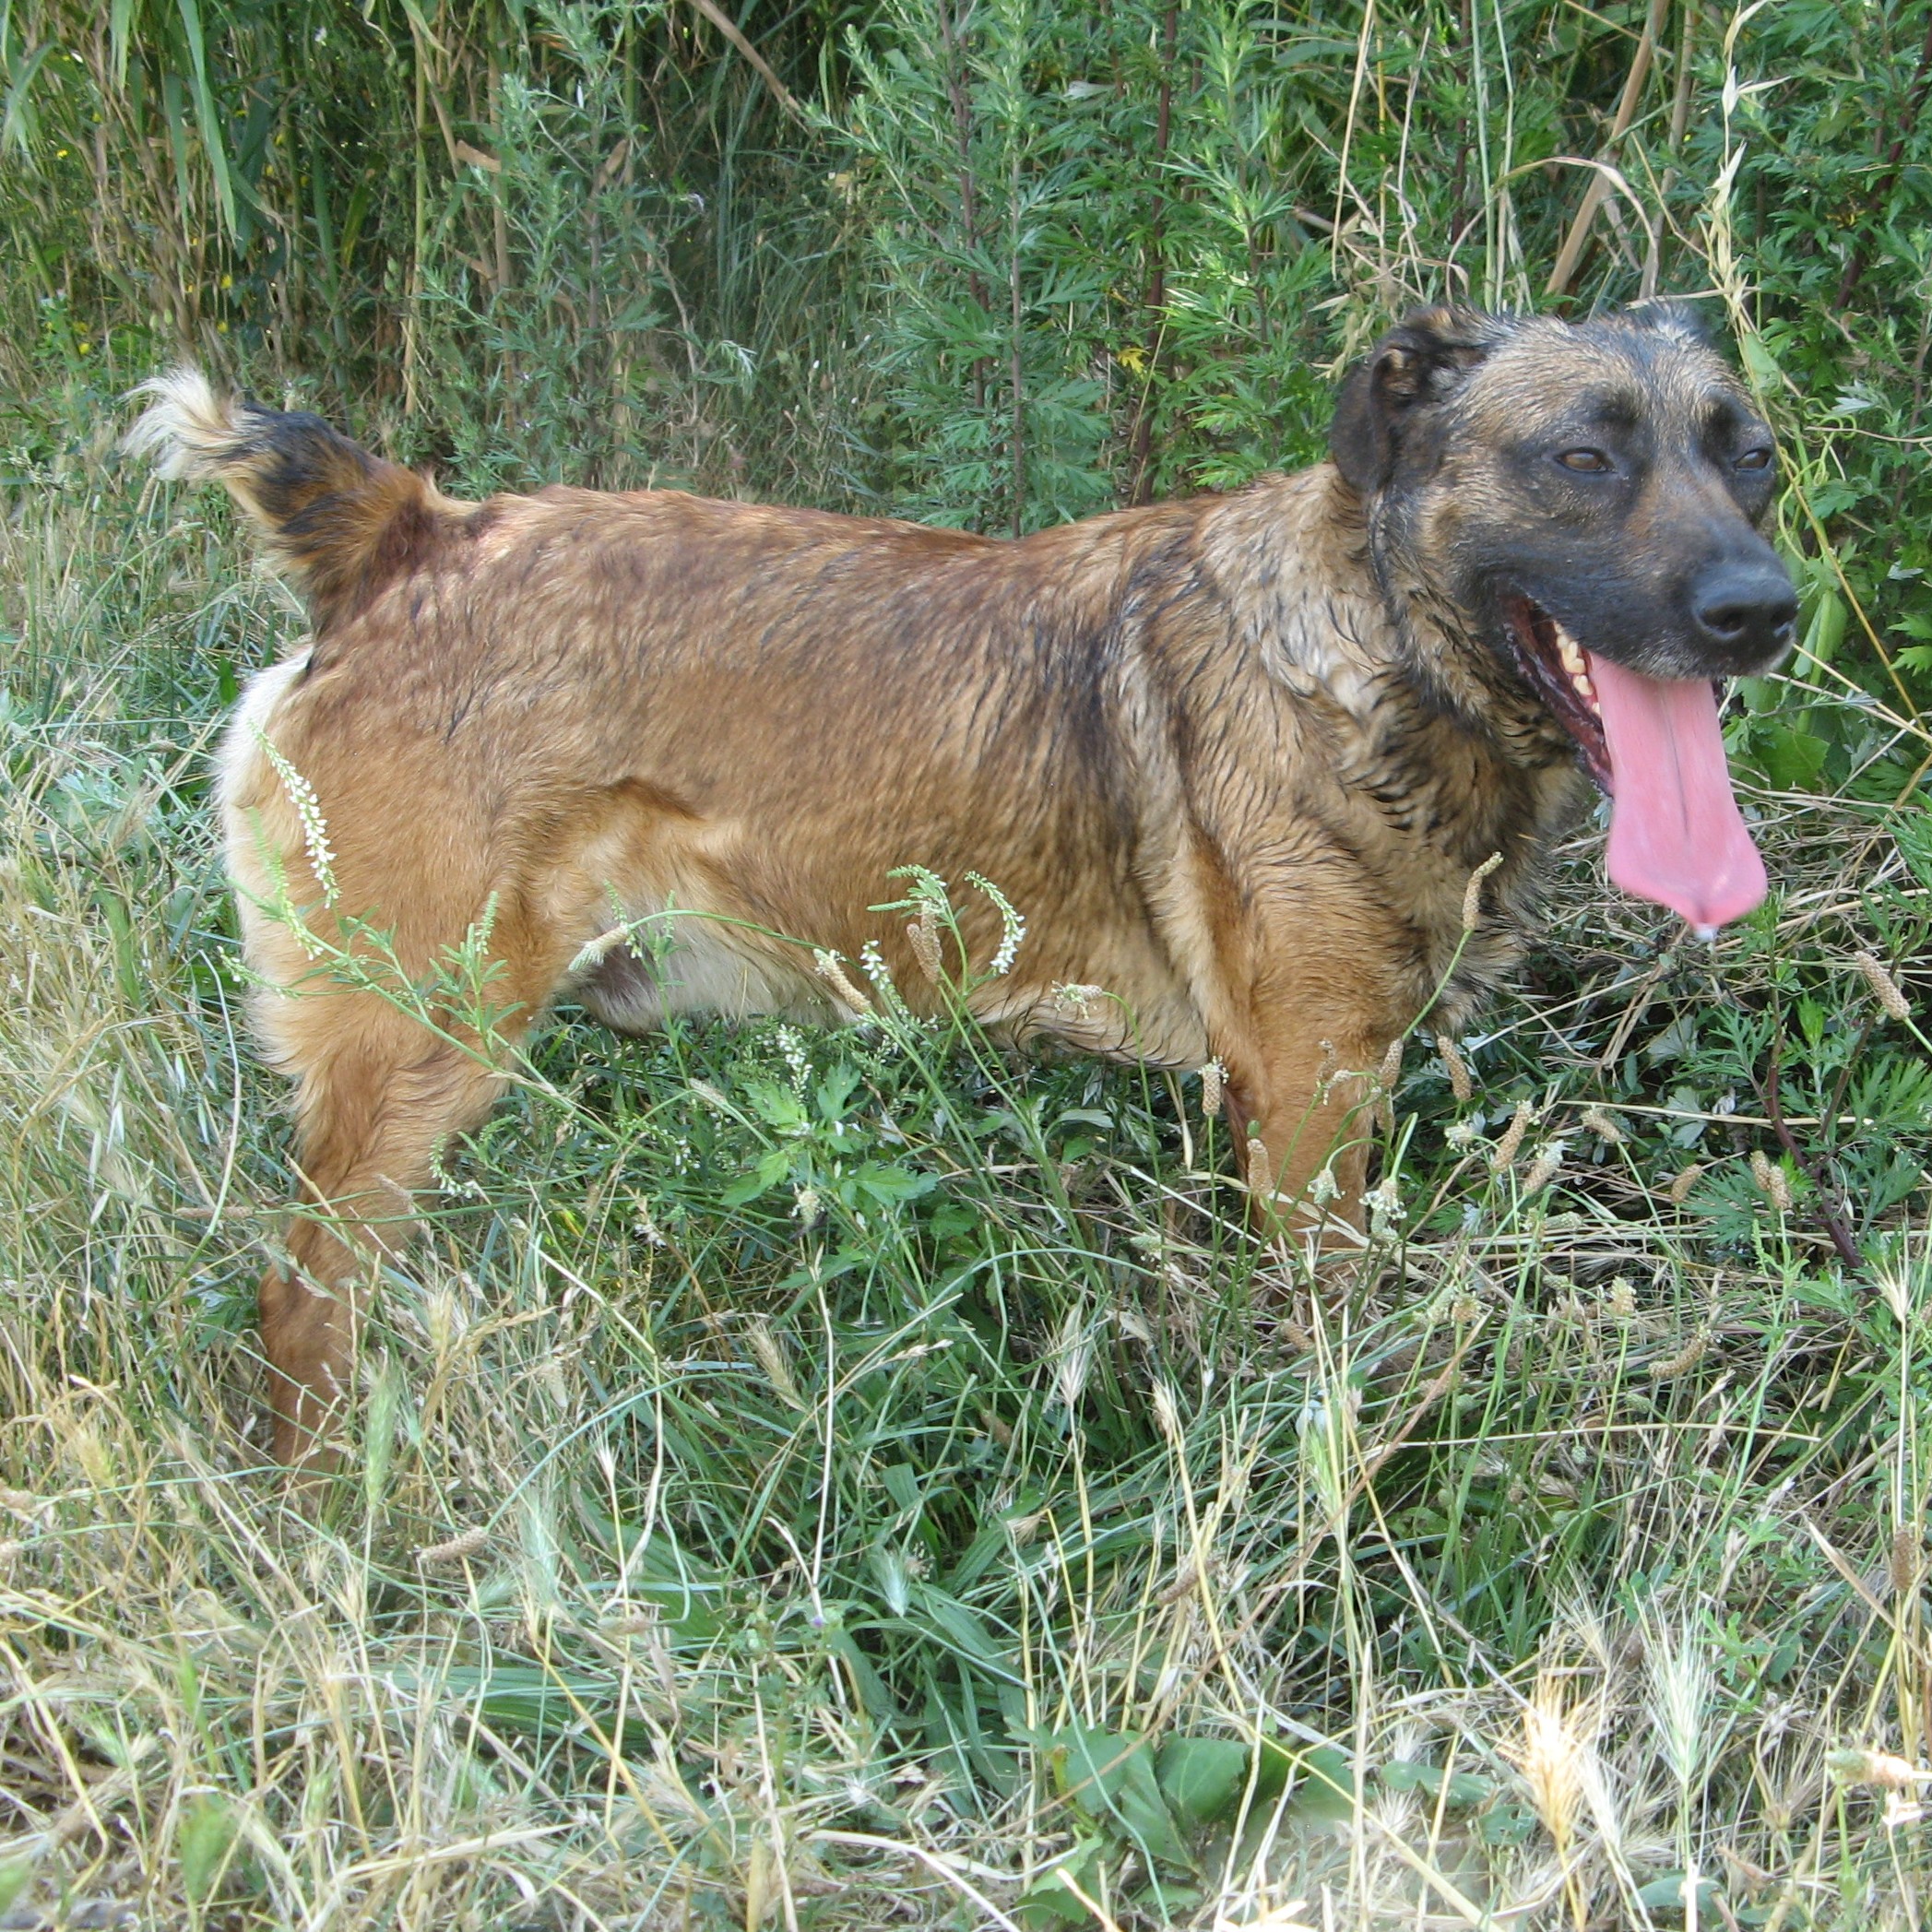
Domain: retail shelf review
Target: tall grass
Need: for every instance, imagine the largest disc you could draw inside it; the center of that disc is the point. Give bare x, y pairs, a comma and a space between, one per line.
848, 1477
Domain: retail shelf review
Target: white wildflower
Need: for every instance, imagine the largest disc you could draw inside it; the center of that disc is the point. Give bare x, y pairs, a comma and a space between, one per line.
1013, 926
1078, 1002
308, 809
793, 1048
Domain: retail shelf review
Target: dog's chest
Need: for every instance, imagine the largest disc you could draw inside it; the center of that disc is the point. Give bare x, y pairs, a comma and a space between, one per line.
1455, 841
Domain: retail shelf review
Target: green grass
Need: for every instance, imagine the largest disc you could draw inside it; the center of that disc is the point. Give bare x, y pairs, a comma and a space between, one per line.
855, 1477
849, 1478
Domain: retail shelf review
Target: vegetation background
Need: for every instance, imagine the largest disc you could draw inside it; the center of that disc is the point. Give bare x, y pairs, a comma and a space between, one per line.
854, 1478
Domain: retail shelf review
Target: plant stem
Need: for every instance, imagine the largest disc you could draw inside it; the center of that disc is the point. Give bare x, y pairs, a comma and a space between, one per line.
1599, 188
1827, 1212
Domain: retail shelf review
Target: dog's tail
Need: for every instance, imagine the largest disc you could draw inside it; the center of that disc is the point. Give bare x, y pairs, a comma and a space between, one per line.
342, 523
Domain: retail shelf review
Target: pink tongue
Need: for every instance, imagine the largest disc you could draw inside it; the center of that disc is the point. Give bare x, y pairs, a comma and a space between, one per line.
1676, 835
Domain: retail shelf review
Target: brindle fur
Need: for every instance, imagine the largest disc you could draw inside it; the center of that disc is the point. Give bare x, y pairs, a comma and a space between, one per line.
1235, 759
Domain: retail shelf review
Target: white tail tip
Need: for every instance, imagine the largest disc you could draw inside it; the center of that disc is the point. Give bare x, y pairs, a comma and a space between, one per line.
184, 428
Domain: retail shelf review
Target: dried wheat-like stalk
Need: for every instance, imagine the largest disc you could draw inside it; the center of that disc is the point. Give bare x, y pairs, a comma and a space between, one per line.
1770, 1181
1544, 1168
831, 969
765, 1345
1904, 1568
1885, 988
1472, 891
458, 1549
1685, 1360
923, 936
1510, 1143
1213, 1078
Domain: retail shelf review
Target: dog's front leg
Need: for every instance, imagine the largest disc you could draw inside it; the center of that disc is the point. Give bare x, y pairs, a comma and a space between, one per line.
1300, 1104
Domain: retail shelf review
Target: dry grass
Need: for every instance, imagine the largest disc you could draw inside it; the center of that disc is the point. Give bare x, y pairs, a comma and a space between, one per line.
847, 1479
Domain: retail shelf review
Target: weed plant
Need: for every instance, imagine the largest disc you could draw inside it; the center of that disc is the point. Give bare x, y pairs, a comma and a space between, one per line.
858, 1477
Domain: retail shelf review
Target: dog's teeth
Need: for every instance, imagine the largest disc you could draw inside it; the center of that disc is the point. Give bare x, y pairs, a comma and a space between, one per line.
1575, 660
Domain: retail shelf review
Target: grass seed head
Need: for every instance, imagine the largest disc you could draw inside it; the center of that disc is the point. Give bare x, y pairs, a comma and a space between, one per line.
1213, 1078
457, 1550
640, 1623
1683, 1181
1260, 1169
770, 1357
1386, 1211
831, 969
1556, 1739
1073, 1350
923, 934
1904, 1568
1770, 1181
1685, 1360
1881, 1769
1544, 1168
1682, 1692
1511, 1144
1896, 1279
1472, 891
1390, 1072
1166, 1410
1885, 988
1459, 1083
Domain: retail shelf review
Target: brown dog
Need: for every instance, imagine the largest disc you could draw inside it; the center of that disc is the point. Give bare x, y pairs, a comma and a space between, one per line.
1235, 759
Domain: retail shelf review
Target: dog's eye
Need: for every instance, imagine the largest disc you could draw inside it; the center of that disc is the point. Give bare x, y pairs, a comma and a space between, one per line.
1758, 458
1589, 462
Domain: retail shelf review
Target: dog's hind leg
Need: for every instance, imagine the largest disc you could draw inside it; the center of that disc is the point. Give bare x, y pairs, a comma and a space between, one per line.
378, 1092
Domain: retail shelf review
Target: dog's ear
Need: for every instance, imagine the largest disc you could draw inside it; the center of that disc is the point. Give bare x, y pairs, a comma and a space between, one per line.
1421, 361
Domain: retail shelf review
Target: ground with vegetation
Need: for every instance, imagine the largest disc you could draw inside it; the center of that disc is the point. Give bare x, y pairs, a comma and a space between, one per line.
836, 1478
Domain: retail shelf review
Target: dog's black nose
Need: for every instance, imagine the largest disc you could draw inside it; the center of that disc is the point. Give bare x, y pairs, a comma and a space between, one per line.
1746, 609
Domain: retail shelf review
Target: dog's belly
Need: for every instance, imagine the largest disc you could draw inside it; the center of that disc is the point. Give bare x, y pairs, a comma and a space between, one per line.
680, 963
667, 963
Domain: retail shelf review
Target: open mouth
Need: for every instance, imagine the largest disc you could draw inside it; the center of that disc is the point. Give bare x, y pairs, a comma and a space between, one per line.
1656, 746
1560, 668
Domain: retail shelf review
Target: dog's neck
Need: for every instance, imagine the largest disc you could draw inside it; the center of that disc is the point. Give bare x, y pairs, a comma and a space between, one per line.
1446, 650
1347, 612
1421, 707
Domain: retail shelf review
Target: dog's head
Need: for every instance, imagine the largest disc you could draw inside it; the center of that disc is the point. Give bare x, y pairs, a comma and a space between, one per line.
1577, 507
